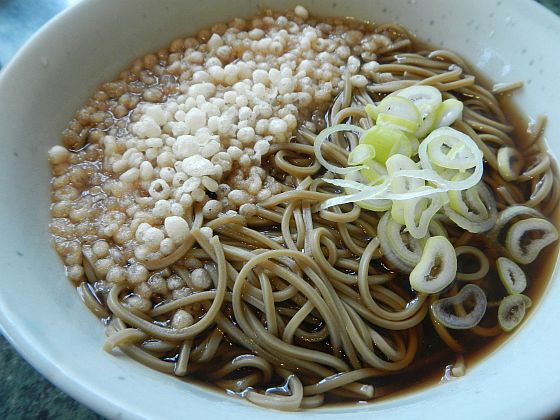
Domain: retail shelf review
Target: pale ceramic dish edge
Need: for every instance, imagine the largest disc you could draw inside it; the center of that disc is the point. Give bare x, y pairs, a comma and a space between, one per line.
60, 67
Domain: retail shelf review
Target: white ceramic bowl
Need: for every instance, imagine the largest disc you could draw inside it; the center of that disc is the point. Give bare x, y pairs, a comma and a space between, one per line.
58, 70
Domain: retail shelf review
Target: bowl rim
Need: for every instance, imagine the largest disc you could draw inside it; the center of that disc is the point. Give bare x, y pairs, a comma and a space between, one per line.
72, 385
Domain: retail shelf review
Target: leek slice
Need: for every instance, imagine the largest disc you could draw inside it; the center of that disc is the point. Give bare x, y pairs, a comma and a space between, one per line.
478, 214
483, 264
511, 275
373, 204
397, 112
427, 122
408, 251
397, 123
418, 214
450, 111
510, 213
512, 310
361, 154
374, 171
421, 95
450, 150
322, 138
385, 140
522, 246
510, 163
437, 267
401, 185
388, 252
442, 309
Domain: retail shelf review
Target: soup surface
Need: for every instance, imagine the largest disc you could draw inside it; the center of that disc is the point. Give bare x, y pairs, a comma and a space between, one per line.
190, 207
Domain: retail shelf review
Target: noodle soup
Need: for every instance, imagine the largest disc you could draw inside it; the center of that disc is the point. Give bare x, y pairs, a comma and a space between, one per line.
300, 210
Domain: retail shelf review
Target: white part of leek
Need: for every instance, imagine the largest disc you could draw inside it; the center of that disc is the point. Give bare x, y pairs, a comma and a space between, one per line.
511, 275
361, 154
485, 214
322, 138
526, 253
443, 309
510, 213
421, 95
510, 162
383, 237
409, 252
512, 310
451, 110
418, 226
438, 255
483, 264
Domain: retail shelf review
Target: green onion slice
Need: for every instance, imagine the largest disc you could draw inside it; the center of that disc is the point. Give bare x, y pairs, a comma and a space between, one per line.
322, 138
388, 246
418, 213
405, 247
466, 156
451, 151
428, 116
511, 275
397, 123
443, 312
421, 96
437, 267
512, 310
373, 204
385, 140
361, 154
510, 213
450, 111
510, 163
476, 212
482, 259
373, 172
526, 239
398, 112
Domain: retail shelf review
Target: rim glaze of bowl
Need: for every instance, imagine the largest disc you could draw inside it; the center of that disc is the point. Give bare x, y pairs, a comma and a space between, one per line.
59, 68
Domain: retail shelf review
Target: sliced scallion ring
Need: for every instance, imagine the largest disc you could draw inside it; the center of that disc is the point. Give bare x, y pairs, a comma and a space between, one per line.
427, 122
511, 275
418, 214
443, 312
371, 111
437, 267
361, 154
401, 185
385, 140
527, 238
373, 204
322, 138
510, 213
392, 259
483, 264
452, 152
510, 163
399, 107
397, 123
450, 111
436, 228
410, 251
512, 311
421, 95
374, 171
479, 214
